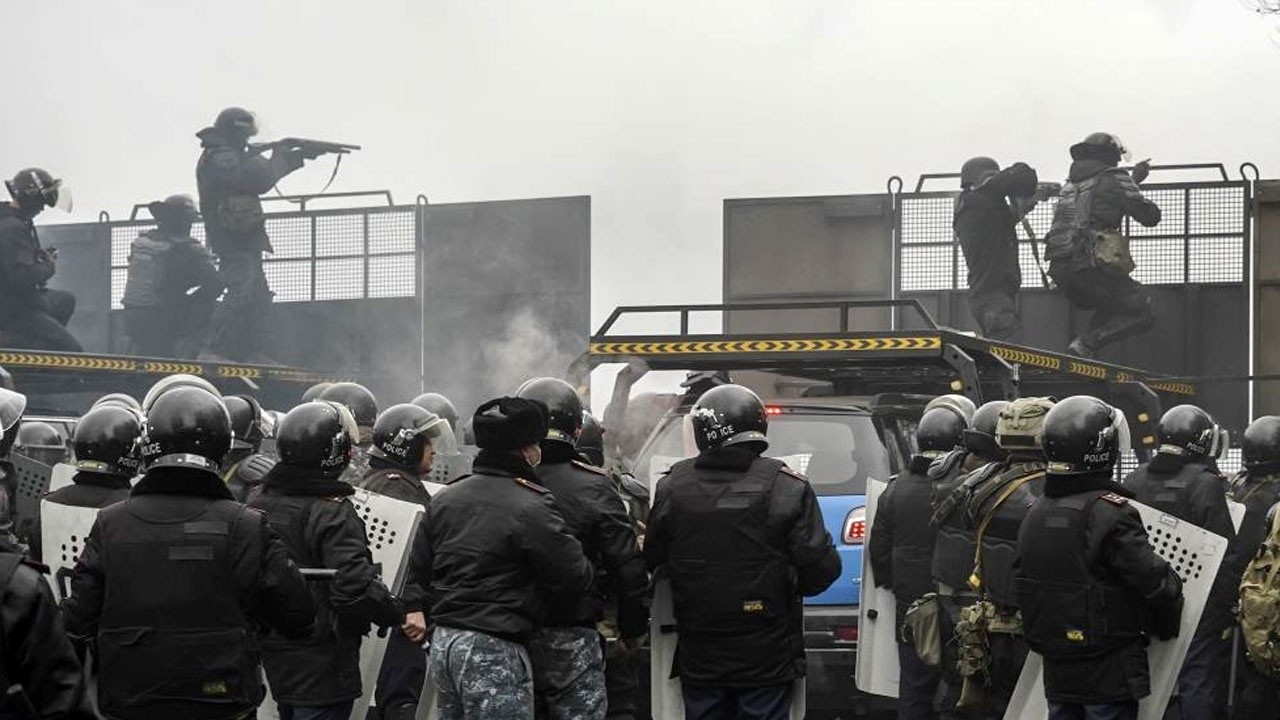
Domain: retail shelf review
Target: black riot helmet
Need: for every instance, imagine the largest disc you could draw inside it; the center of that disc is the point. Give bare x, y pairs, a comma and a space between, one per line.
941, 430
402, 431
247, 421
959, 403
171, 382
591, 440
362, 404
34, 189
236, 122
106, 441
1187, 430
440, 405
314, 392
317, 436
976, 170
40, 441
562, 401
1100, 146
187, 427
175, 214
1083, 435
6, 379
1260, 450
119, 400
729, 415
12, 405
980, 437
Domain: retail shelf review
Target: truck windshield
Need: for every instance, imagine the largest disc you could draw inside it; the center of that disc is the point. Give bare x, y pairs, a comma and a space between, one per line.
837, 451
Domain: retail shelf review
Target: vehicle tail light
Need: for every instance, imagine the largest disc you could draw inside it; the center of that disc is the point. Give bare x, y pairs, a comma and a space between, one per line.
855, 527
773, 411
845, 633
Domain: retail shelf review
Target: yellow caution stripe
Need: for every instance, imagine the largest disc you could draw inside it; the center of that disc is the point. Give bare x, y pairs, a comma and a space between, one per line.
1177, 388
170, 368
237, 371
1087, 370
1024, 357
770, 345
68, 362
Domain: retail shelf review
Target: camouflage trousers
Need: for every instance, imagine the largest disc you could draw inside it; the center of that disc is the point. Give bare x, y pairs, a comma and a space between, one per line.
568, 674
480, 677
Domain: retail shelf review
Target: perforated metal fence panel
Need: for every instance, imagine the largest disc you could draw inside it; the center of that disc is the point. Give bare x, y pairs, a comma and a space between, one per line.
318, 255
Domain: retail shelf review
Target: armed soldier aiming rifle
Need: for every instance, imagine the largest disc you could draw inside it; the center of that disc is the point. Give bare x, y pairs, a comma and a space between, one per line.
232, 174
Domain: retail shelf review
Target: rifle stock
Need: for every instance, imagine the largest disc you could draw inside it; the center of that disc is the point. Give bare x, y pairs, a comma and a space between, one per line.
305, 144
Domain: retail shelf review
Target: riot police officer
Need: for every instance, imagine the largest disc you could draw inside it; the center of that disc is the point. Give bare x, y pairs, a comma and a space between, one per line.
172, 284
318, 677
105, 444
1088, 256
973, 565
119, 399
174, 582
364, 408
949, 468
12, 406
901, 548
491, 553
1258, 488
1091, 588
1182, 480
985, 225
41, 442
440, 406
246, 465
742, 538
32, 315
230, 177
405, 441
568, 665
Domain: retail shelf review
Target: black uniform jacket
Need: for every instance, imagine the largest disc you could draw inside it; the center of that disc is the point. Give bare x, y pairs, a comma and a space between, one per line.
491, 549
595, 515
902, 538
395, 481
321, 529
24, 266
742, 539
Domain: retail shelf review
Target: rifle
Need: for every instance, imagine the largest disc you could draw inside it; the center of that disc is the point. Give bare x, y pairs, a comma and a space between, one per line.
304, 145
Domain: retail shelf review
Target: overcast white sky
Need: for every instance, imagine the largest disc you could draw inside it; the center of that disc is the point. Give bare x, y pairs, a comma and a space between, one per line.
657, 109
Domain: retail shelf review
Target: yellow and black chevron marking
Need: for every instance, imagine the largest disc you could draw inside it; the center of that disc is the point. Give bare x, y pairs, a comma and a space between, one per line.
1093, 371
170, 368
236, 371
1022, 357
302, 376
68, 362
780, 345
1122, 376
1177, 388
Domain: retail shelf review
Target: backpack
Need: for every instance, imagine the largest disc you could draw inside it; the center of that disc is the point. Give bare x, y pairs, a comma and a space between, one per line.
1260, 603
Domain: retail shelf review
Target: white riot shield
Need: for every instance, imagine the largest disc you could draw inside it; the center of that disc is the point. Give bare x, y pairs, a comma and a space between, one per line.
877, 669
30, 485
62, 476
63, 529
448, 467
1195, 555
666, 700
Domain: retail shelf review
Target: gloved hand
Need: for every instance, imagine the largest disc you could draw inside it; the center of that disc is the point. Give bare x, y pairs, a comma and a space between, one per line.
1141, 171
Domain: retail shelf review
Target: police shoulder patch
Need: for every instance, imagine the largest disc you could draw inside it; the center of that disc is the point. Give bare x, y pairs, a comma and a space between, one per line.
590, 468
531, 485
1114, 498
785, 470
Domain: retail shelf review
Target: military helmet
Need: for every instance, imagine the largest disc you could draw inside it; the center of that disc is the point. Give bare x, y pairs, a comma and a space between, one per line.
314, 392
959, 403
591, 439
171, 382
1084, 435
12, 405
317, 436
174, 209
106, 441
564, 406
187, 426
1100, 146
119, 400
247, 421
729, 415
1260, 449
940, 430
1188, 430
34, 189
236, 121
403, 430
40, 441
362, 404
438, 404
976, 170
980, 437
1020, 427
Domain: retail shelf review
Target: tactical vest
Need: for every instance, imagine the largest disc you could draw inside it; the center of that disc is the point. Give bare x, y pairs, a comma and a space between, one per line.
247, 475
142, 288
1071, 221
998, 507
172, 626
913, 540
731, 574
954, 549
946, 473
1068, 611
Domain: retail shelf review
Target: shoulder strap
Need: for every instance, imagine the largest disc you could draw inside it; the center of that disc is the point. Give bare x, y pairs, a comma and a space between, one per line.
975, 580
